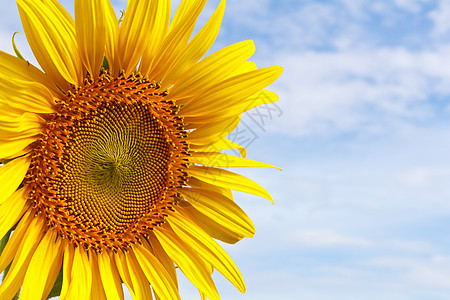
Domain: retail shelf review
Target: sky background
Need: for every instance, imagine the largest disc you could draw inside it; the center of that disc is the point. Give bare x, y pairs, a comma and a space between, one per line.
361, 131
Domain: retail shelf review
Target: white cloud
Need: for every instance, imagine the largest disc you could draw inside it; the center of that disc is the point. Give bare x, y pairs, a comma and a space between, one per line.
325, 238
433, 271
424, 177
302, 25
331, 239
411, 5
359, 90
364, 196
357, 83
440, 16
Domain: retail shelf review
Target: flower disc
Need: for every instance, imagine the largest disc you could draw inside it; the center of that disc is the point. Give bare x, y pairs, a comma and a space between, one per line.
108, 162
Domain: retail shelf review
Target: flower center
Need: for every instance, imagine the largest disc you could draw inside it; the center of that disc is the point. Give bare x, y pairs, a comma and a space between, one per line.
117, 166
105, 169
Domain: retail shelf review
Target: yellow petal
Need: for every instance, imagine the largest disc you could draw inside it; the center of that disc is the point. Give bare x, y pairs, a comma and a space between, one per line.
260, 98
243, 68
10, 136
44, 267
227, 179
12, 175
202, 296
11, 149
159, 32
179, 33
211, 132
19, 126
112, 34
50, 31
140, 282
133, 278
16, 238
211, 70
137, 23
211, 227
162, 256
124, 274
197, 47
18, 69
220, 145
220, 209
217, 159
180, 13
69, 252
198, 186
97, 290
188, 261
110, 276
81, 276
19, 120
22, 256
12, 210
156, 274
206, 247
90, 25
230, 92
122, 268
26, 95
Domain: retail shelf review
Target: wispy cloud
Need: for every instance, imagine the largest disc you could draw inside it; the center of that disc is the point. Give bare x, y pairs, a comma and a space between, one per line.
433, 271
325, 238
440, 16
351, 66
361, 90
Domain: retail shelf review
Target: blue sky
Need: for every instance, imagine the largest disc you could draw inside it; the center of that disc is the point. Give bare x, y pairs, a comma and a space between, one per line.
361, 131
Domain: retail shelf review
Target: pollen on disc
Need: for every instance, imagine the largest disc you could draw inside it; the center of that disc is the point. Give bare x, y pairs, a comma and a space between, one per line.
117, 167
105, 170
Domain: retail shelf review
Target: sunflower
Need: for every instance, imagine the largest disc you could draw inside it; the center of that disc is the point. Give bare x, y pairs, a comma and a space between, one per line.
113, 156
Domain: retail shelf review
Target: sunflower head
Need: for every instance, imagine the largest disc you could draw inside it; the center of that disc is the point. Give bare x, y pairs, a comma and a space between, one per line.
113, 154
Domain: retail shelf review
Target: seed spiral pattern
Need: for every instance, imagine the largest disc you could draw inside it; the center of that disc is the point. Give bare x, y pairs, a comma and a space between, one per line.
107, 165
